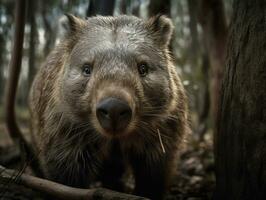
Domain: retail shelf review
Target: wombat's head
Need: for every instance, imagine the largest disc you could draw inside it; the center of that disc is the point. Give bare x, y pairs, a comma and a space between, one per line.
116, 72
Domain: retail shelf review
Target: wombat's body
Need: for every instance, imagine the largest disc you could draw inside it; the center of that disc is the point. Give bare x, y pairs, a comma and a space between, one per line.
101, 101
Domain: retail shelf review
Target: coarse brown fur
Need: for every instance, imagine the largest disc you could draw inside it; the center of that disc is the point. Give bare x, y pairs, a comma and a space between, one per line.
73, 148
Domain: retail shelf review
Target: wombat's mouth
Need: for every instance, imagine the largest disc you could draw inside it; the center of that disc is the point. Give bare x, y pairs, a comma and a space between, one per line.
114, 116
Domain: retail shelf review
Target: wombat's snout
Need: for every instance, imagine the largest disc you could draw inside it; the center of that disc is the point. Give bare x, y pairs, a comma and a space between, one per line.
113, 114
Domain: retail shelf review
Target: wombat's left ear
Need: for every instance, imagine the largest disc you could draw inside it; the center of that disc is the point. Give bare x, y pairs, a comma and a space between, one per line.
162, 29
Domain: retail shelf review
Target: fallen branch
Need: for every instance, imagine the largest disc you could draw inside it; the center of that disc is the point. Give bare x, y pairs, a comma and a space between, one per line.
62, 191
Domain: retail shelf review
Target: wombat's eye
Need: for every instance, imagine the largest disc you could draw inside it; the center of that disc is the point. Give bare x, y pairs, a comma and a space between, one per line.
143, 69
87, 69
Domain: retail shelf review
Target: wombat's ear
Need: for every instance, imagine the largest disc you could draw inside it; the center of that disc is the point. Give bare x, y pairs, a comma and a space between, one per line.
71, 24
162, 29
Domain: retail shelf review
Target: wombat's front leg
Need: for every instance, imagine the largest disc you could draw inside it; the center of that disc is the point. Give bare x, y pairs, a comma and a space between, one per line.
71, 169
113, 169
74, 176
151, 177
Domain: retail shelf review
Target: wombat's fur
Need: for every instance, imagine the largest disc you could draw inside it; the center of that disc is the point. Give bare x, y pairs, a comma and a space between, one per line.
73, 147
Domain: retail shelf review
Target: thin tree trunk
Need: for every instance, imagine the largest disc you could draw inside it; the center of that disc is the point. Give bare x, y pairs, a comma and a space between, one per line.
212, 19
50, 36
2, 50
101, 7
12, 83
33, 34
159, 7
241, 139
135, 7
91, 11
14, 71
193, 16
123, 7
202, 77
204, 97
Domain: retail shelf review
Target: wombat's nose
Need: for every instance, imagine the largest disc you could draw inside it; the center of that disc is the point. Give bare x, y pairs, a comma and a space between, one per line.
113, 114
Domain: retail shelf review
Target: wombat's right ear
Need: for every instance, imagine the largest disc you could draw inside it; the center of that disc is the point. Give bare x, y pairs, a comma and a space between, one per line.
71, 24
161, 28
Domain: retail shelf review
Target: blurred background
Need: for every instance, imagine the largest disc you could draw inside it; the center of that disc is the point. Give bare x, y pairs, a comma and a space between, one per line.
198, 48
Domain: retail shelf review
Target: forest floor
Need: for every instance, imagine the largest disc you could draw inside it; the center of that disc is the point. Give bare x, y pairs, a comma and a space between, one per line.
195, 178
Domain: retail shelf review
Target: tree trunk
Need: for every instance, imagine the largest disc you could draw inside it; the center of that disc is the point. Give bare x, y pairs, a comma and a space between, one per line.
204, 97
241, 139
91, 9
33, 34
123, 7
49, 34
101, 7
2, 58
135, 7
212, 19
159, 7
193, 12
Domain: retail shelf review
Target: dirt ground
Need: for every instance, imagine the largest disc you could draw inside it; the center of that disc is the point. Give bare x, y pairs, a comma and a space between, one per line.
195, 179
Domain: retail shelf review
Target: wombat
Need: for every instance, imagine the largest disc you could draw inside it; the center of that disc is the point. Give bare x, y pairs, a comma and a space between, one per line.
107, 99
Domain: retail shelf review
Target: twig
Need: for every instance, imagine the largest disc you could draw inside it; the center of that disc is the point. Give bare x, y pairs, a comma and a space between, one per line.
65, 192
161, 142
